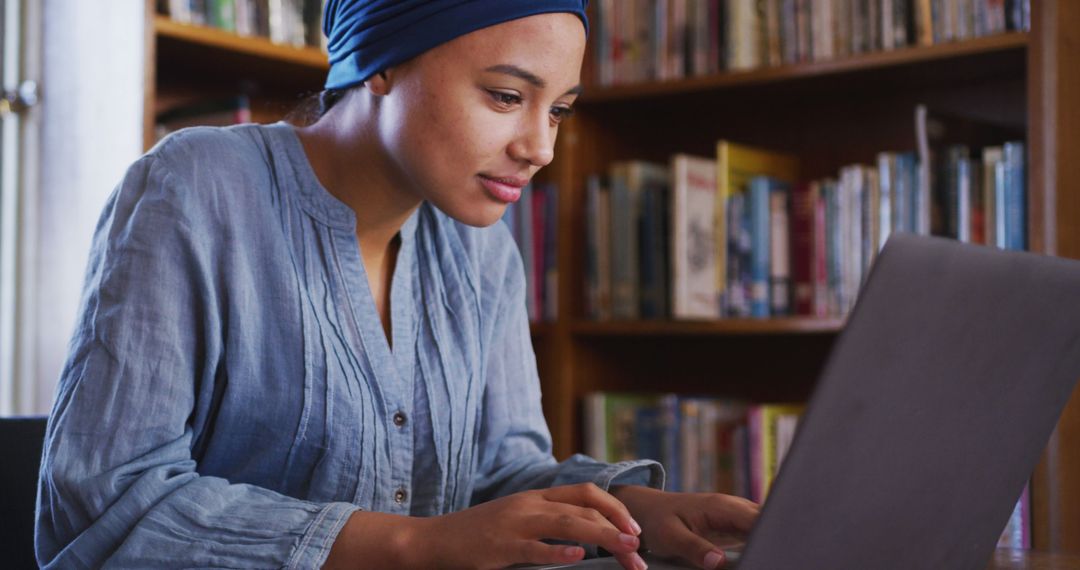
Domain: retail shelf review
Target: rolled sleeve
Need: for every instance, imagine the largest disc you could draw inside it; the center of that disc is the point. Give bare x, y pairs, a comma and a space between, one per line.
315, 545
515, 444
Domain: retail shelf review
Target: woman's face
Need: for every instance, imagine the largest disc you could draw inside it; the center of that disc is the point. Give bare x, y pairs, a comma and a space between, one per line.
468, 123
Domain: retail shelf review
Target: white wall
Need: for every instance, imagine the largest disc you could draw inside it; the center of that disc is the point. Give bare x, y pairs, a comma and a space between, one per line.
91, 130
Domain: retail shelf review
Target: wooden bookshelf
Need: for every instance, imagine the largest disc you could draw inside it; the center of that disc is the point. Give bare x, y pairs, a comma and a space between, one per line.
196, 40
828, 113
723, 327
190, 62
977, 54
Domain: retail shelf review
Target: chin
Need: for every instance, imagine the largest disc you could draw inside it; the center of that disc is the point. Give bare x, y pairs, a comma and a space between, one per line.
477, 216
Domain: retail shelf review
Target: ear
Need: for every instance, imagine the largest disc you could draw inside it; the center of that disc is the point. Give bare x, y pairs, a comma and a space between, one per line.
378, 84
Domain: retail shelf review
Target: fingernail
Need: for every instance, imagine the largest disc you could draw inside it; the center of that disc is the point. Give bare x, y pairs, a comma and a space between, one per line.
639, 563
714, 559
635, 526
572, 551
627, 538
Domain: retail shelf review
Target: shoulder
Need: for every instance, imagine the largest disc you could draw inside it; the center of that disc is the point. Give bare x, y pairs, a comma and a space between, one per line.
205, 170
214, 151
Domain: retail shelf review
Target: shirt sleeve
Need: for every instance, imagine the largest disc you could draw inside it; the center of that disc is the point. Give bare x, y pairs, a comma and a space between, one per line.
515, 453
119, 486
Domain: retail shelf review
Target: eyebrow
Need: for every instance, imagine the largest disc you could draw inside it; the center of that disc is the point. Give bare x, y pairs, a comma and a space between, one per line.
531, 78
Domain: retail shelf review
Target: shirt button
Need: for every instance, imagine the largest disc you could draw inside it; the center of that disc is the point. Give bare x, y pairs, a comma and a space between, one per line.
400, 495
399, 419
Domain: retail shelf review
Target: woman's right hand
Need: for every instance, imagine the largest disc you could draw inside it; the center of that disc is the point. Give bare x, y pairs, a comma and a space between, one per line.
499, 533
508, 530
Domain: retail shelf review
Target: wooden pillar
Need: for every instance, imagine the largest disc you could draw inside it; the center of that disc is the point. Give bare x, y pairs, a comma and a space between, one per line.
1054, 177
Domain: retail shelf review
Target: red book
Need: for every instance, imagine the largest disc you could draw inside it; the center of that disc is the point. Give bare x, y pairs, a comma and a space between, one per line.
821, 268
802, 248
539, 219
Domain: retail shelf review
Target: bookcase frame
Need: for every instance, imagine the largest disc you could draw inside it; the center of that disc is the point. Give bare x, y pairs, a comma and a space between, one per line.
1031, 78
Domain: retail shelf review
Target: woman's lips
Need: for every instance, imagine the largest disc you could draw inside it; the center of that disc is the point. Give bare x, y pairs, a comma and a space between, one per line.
507, 190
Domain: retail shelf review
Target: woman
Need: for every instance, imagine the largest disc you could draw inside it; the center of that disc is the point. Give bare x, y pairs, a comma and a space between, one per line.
308, 346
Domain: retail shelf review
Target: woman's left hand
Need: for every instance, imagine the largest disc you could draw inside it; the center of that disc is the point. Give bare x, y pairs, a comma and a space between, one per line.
690, 526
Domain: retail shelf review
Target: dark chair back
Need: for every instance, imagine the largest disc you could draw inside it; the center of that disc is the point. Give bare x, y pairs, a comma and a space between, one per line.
21, 440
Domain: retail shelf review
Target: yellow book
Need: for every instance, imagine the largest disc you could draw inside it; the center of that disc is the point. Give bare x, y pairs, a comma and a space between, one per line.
736, 164
767, 443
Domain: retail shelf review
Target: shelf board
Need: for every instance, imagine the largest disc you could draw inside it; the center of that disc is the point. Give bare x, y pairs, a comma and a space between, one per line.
255, 47
783, 326
904, 57
198, 54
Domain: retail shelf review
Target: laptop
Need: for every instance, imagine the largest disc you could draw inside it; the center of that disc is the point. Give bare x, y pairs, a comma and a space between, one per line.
931, 413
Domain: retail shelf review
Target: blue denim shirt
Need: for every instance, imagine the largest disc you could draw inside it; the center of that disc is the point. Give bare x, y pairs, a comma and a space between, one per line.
230, 397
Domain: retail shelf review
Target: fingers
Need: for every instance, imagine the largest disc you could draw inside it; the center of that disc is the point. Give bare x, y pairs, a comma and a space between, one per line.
591, 496
585, 525
695, 549
727, 512
631, 561
535, 552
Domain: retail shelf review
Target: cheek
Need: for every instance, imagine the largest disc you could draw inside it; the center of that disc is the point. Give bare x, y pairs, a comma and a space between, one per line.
460, 141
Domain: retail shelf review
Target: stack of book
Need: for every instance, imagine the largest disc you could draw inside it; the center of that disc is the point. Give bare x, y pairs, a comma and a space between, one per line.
290, 22
705, 444
741, 236
715, 445
642, 40
533, 223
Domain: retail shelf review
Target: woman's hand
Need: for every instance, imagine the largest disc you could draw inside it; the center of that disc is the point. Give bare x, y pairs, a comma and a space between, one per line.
495, 534
690, 526
508, 530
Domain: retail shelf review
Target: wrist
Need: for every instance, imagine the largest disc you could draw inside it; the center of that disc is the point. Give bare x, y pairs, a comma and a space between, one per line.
380, 540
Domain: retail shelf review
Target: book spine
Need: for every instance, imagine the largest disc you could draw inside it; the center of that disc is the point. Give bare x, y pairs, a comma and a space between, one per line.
624, 244
670, 448
754, 444
760, 248
803, 248
592, 246
886, 189
779, 252
528, 251
1015, 196
820, 252
595, 426
539, 228
551, 252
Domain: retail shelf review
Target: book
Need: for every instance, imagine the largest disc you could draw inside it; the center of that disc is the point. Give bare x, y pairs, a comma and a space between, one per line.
629, 181
763, 421
611, 427
598, 250
643, 40
695, 294
804, 247
779, 250
736, 164
1014, 196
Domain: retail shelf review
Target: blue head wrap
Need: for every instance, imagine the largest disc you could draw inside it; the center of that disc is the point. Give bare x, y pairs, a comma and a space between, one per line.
369, 36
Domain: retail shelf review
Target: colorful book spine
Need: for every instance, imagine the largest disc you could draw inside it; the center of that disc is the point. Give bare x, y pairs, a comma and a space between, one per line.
1015, 196
695, 293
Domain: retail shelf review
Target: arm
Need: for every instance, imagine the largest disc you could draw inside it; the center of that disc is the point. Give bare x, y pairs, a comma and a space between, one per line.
118, 482
515, 444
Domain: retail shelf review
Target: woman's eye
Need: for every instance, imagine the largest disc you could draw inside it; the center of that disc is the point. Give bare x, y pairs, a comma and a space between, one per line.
505, 98
558, 114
